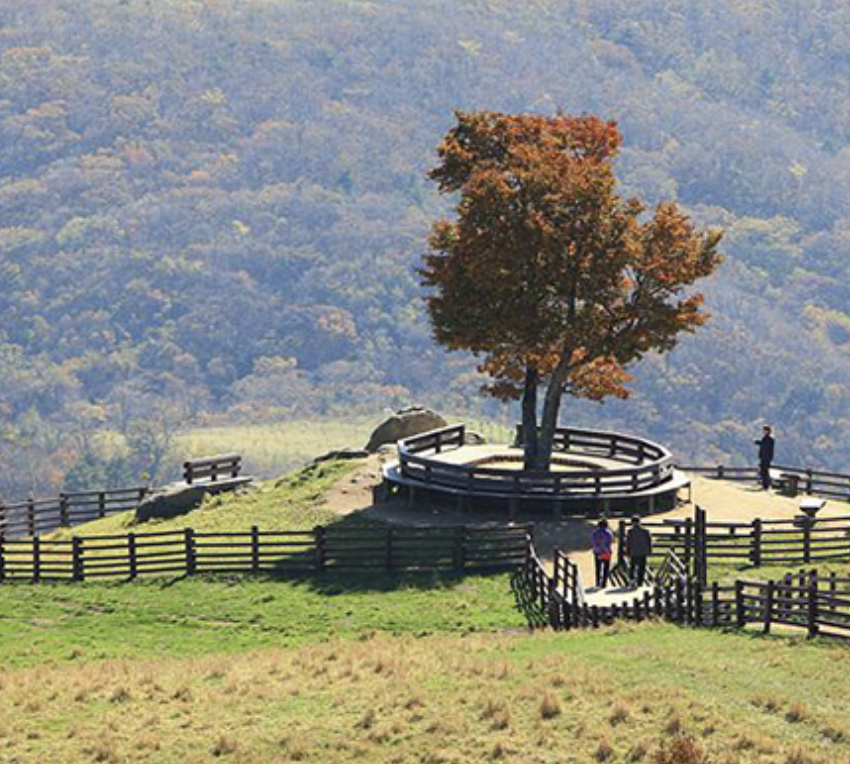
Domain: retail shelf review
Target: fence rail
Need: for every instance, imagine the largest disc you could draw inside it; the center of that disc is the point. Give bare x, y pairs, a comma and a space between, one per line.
798, 541
833, 485
646, 465
818, 604
187, 552
36, 516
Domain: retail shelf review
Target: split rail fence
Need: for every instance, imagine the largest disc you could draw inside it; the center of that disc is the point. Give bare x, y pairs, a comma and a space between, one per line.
325, 548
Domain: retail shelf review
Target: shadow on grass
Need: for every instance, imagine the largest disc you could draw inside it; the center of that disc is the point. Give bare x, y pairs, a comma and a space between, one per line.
332, 583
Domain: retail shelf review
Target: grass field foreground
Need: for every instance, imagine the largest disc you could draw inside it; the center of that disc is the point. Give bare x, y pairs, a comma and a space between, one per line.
648, 693
72, 623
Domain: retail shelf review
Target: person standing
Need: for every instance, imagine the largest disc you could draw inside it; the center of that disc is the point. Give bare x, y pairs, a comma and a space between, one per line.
766, 448
603, 542
638, 547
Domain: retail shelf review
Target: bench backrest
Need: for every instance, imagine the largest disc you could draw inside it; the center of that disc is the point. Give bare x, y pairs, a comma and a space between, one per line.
211, 468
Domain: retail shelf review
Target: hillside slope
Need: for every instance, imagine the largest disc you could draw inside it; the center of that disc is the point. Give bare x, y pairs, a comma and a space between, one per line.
219, 206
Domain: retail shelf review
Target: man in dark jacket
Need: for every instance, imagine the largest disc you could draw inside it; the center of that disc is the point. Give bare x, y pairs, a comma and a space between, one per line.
765, 456
638, 547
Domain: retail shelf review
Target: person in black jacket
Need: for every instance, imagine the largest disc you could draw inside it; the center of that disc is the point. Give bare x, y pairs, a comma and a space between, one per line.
638, 547
766, 446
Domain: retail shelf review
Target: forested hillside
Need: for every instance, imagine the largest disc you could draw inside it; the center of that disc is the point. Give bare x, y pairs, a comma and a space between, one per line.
218, 207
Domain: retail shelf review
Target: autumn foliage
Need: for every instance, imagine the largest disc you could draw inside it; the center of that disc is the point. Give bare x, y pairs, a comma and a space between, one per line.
546, 273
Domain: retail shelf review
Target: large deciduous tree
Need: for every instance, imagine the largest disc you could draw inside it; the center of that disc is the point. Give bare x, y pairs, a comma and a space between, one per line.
546, 274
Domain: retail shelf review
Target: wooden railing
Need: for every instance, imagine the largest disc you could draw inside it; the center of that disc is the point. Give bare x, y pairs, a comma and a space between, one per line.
651, 465
818, 604
834, 485
212, 468
187, 552
36, 516
799, 541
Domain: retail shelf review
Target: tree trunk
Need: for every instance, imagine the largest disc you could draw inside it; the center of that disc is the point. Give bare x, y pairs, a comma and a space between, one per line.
529, 418
549, 418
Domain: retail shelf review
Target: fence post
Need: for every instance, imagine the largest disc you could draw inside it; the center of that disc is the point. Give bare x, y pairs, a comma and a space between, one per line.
809, 486
741, 613
36, 559
319, 539
755, 543
689, 541
807, 539
101, 504
554, 620
255, 549
680, 597
720, 472
31, 516
698, 604
701, 558
715, 604
64, 519
78, 565
191, 561
459, 557
2, 557
768, 606
131, 553
813, 608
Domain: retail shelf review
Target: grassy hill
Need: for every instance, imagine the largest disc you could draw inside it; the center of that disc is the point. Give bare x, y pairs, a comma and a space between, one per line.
293, 502
438, 669
655, 694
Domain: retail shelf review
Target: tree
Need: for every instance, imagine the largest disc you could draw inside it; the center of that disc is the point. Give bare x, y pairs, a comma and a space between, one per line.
546, 274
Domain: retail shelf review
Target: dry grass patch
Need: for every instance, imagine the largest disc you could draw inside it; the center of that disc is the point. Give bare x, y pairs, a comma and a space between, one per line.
380, 700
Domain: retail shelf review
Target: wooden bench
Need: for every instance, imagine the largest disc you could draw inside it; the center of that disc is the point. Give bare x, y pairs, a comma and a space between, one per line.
211, 469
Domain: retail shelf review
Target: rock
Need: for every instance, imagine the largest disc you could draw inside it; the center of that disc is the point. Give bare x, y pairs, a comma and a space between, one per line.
473, 438
181, 498
342, 453
404, 424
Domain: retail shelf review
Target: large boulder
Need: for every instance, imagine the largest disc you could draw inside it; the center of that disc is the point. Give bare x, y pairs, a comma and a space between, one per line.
181, 498
404, 424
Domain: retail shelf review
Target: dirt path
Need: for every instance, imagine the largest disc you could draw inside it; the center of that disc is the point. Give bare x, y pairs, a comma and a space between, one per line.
723, 501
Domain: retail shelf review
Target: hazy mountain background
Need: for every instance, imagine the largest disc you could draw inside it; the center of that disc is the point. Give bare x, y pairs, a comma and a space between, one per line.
212, 211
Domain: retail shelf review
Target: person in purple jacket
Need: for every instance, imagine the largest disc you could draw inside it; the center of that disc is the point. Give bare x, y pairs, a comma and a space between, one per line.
603, 541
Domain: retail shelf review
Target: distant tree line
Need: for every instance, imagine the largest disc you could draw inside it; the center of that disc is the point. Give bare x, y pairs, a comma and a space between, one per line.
216, 209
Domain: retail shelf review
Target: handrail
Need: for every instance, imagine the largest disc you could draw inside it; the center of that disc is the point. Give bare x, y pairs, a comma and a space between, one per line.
654, 465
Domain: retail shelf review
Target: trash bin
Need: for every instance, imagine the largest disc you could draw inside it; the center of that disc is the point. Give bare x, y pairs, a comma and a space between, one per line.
790, 484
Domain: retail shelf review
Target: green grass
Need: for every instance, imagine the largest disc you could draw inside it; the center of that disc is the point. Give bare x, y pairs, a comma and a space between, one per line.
371, 668
649, 693
273, 449
43, 624
277, 448
294, 502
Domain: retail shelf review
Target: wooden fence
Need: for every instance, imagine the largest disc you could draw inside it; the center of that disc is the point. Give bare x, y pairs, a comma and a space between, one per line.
819, 605
833, 485
325, 548
646, 465
36, 516
799, 541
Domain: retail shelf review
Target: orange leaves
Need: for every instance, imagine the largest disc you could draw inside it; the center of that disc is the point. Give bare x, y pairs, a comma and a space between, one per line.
545, 267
